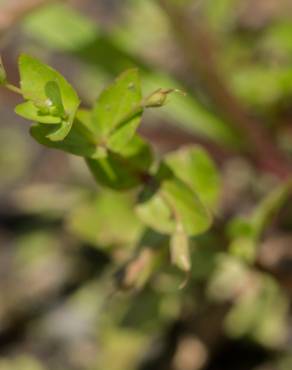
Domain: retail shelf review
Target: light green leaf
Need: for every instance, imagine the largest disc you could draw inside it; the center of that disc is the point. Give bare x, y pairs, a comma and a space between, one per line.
62, 131
260, 313
36, 85
155, 212
191, 212
171, 202
245, 233
29, 111
117, 112
60, 26
194, 166
105, 220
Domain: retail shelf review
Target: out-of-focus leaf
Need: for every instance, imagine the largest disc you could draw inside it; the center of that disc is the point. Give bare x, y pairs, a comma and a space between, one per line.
245, 233
220, 14
277, 38
187, 112
194, 166
260, 313
259, 306
172, 201
228, 277
106, 220
14, 164
155, 213
192, 213
262, 86
128, 345
60, 26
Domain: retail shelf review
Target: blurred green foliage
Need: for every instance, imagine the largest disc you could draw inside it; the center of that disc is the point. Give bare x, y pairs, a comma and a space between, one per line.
86, 279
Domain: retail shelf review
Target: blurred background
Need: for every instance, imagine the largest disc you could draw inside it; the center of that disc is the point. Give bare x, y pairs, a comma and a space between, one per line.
63, 239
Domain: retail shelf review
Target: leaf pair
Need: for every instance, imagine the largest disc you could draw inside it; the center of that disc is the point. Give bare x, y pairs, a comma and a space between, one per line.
188, 190
50, 98
182, 201
106, 130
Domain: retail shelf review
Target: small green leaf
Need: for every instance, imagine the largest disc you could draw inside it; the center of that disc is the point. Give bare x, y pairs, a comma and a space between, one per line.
105, 220
124, 170
179, 248
193, 165
192, 213
47, 89
3, 79
59, 26
173, 200
29, 111
61, 131
117, 113
155, 212
245, 233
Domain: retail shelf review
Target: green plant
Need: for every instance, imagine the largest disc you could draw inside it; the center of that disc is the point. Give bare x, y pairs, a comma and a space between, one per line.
178, 194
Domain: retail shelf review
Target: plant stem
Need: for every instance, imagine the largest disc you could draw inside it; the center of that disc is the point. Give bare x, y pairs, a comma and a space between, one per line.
13, 88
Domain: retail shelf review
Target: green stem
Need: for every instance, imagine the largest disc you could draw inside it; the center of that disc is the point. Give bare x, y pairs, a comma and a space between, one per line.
13, 88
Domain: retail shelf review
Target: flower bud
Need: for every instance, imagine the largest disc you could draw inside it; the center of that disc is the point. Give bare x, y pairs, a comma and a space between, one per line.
157, 99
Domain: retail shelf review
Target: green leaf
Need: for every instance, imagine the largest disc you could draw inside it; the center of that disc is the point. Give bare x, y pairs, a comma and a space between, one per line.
117, 113
155, 212
29, 111
61, 131
105, 220
245, 233
125, 170
75, 142
49, 91
171, 202
60, 26
191, 212
259, 313
194, 166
